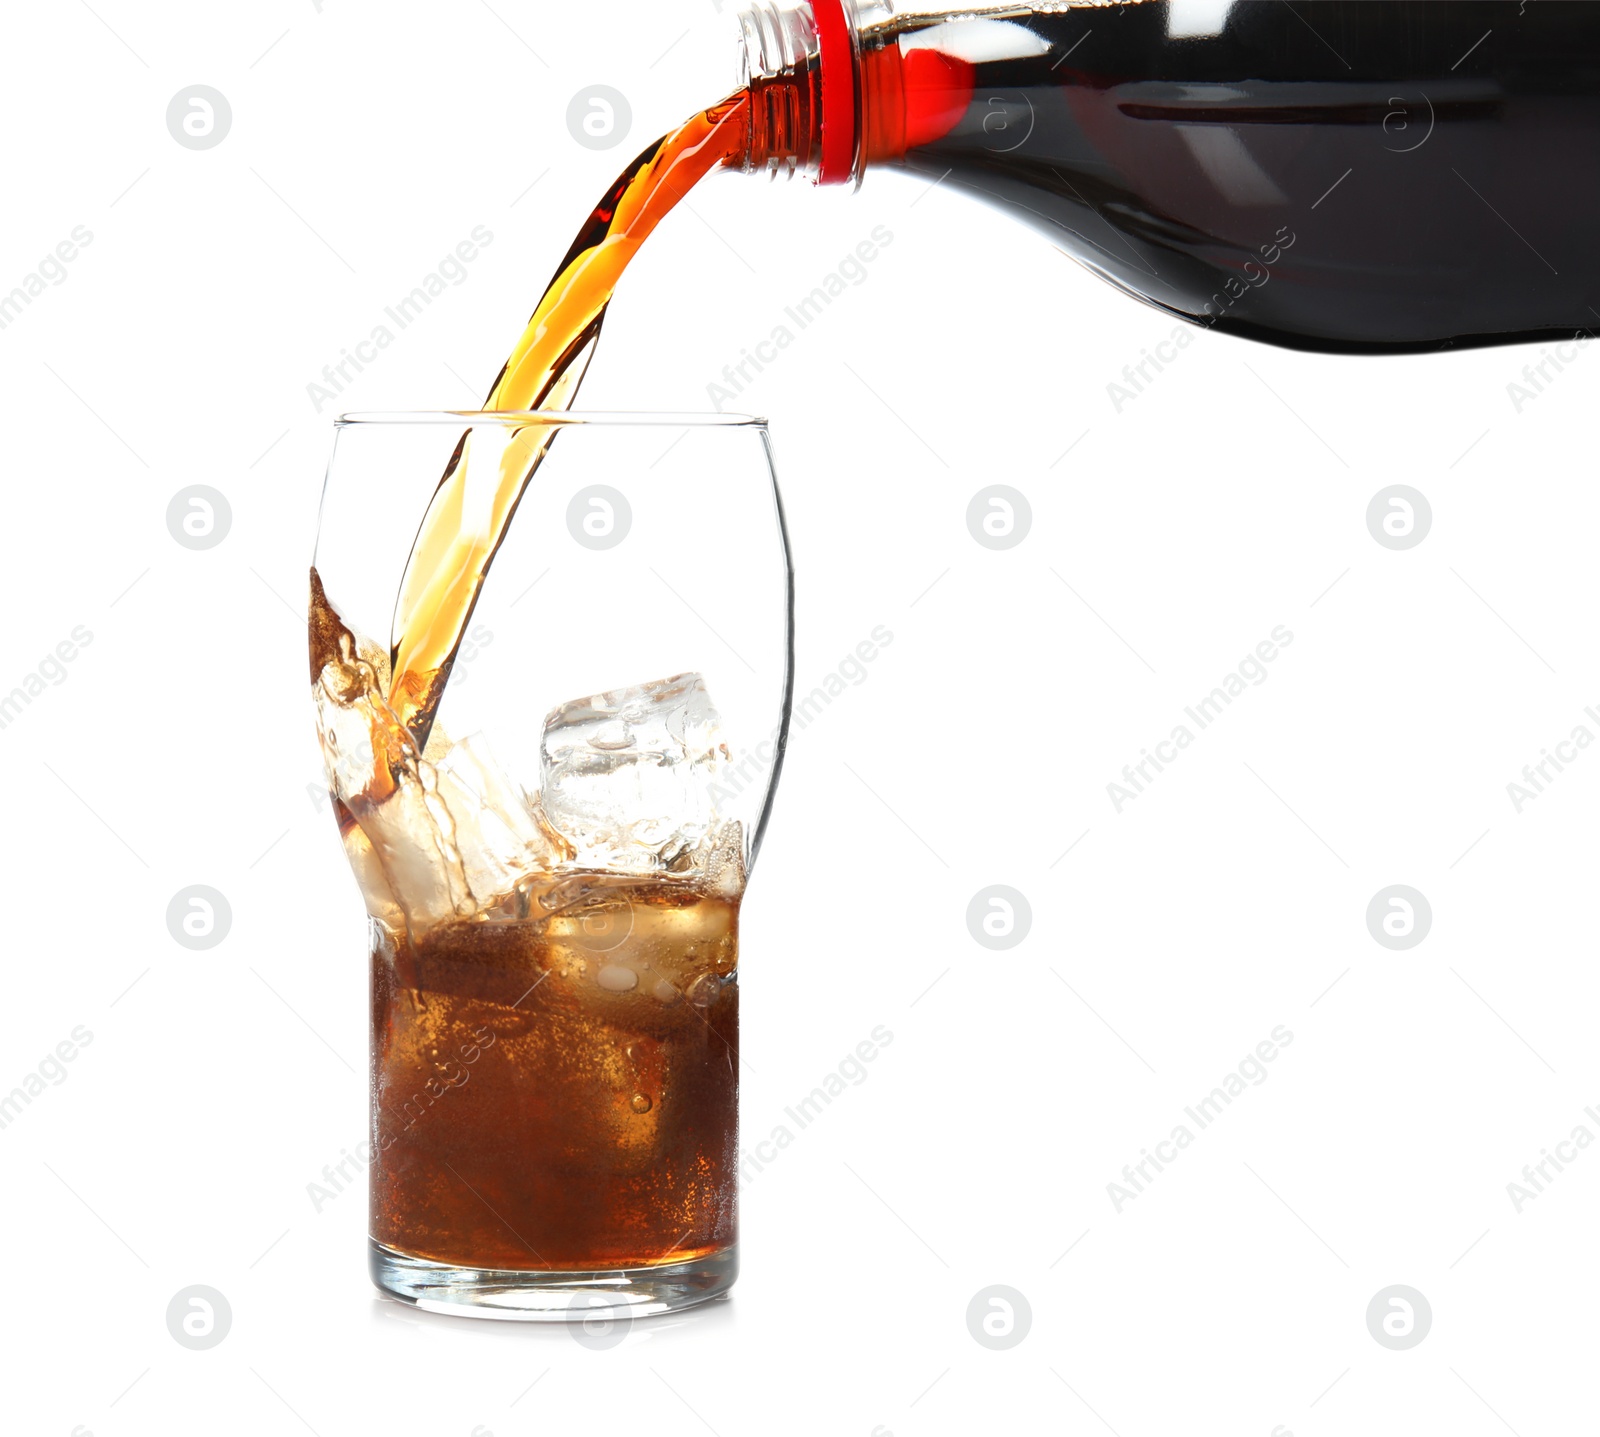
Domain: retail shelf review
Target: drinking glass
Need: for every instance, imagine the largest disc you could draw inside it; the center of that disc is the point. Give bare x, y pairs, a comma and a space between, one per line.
553, 861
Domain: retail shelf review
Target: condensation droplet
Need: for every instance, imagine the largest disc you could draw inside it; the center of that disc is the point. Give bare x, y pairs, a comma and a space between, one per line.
614, 978
666, 992
640, 1103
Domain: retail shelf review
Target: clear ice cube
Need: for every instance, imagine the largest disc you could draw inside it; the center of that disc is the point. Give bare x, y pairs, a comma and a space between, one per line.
497, 836
629, 776
404, 848
409, 833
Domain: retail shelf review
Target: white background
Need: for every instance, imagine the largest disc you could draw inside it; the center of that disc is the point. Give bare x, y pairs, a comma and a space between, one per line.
1229, 498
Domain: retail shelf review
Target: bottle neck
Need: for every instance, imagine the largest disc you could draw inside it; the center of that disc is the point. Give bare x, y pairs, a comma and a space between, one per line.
831, 92
782, 82
805, 73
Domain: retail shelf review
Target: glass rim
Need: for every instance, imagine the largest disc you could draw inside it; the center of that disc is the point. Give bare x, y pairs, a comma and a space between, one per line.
564, 418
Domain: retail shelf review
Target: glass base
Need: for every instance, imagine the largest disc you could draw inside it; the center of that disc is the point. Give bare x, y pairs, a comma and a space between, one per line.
538, 1296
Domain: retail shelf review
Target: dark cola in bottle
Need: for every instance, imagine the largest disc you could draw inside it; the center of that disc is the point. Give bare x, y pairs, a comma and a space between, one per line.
1336, 174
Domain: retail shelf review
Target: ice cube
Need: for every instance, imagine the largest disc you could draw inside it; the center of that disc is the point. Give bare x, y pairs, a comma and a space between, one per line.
411, 838
497, 836
434, 841
629, 776
722, 860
